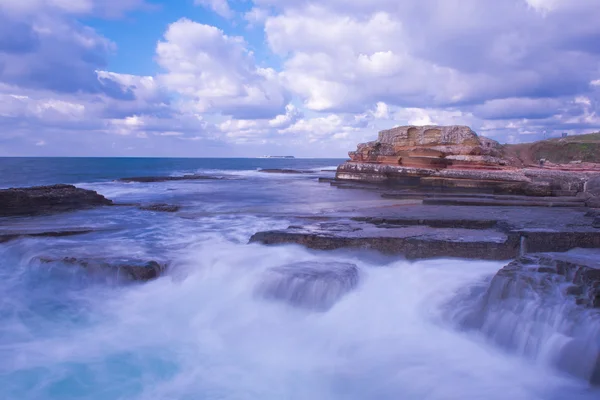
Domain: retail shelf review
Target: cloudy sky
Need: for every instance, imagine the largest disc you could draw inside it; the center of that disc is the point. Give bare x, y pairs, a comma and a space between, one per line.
202, 78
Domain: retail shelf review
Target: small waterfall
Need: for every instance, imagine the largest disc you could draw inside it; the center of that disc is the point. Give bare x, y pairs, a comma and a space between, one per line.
523, 246
538, 309
311, 285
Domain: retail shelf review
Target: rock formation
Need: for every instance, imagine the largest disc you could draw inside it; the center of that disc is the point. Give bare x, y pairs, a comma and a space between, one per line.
431, 147
119, 270
48, 199
160, 207
454, 158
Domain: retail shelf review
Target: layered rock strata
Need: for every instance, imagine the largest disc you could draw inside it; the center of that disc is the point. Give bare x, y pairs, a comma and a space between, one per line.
430, 231
451, 158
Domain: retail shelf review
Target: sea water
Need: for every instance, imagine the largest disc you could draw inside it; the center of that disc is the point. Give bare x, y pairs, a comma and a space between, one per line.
201, 331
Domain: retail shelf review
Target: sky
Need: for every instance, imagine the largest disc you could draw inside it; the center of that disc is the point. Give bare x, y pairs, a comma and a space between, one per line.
245, 78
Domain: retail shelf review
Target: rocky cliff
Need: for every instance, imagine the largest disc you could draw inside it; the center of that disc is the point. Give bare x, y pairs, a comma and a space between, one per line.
431, 146
456, 158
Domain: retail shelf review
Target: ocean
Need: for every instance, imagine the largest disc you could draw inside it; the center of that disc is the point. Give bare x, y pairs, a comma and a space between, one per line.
201, 332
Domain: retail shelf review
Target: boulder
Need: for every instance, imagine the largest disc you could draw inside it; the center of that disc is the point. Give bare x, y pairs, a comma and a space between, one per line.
48, 199
311, 285
593, 202
593, 185
121, 270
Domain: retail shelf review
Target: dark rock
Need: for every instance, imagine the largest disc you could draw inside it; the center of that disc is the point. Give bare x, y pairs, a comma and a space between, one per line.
432, 222
8, 236
412, 242
284, 171
478, 202
593, 213
593, 185
122, 270
149, 179
596, 223
161, 207
312, 285
593, 202
542, 306
48, 199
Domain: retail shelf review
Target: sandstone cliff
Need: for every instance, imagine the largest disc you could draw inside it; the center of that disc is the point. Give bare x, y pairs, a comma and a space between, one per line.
456, 158
431, 146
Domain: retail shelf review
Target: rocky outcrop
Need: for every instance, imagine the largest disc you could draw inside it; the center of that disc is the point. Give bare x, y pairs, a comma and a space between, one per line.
311, 285
161, 207
48, 199
454, 158
485, 232
119, 270
13, 235
430, 147
592, 191
544, 306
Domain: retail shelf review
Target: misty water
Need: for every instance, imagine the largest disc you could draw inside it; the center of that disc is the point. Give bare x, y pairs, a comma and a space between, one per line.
204, 331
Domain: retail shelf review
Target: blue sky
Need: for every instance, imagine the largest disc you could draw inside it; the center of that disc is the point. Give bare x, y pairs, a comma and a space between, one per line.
199, 78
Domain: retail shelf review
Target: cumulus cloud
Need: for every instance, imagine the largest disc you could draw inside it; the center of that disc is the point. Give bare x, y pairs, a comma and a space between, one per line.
217, 73
221, 7
325, 74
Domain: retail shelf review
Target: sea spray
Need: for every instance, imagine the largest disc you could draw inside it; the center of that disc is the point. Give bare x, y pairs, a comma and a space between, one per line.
535, 307
207, 335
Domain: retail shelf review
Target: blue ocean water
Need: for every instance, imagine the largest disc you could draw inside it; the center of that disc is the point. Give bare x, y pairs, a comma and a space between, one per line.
201, 332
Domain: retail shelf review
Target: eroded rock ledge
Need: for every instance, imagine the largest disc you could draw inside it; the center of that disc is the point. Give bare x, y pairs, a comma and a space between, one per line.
428, 231
48, 199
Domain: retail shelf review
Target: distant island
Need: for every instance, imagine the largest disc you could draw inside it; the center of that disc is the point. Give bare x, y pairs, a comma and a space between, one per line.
277, 157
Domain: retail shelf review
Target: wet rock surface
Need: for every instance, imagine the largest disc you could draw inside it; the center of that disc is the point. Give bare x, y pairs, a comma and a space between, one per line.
6, 236
161, 207
428, 231
119, 270
47, 200
311, 285
543, 305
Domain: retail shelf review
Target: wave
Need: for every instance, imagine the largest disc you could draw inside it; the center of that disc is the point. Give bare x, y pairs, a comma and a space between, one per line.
203, 331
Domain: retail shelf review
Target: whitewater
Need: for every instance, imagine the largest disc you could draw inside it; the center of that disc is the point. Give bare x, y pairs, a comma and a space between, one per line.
203, 331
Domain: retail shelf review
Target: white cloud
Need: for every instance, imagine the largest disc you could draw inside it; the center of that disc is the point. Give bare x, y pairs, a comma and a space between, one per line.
328, 75
221, 7
544, 5
381, 111
256, 16
216, 73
